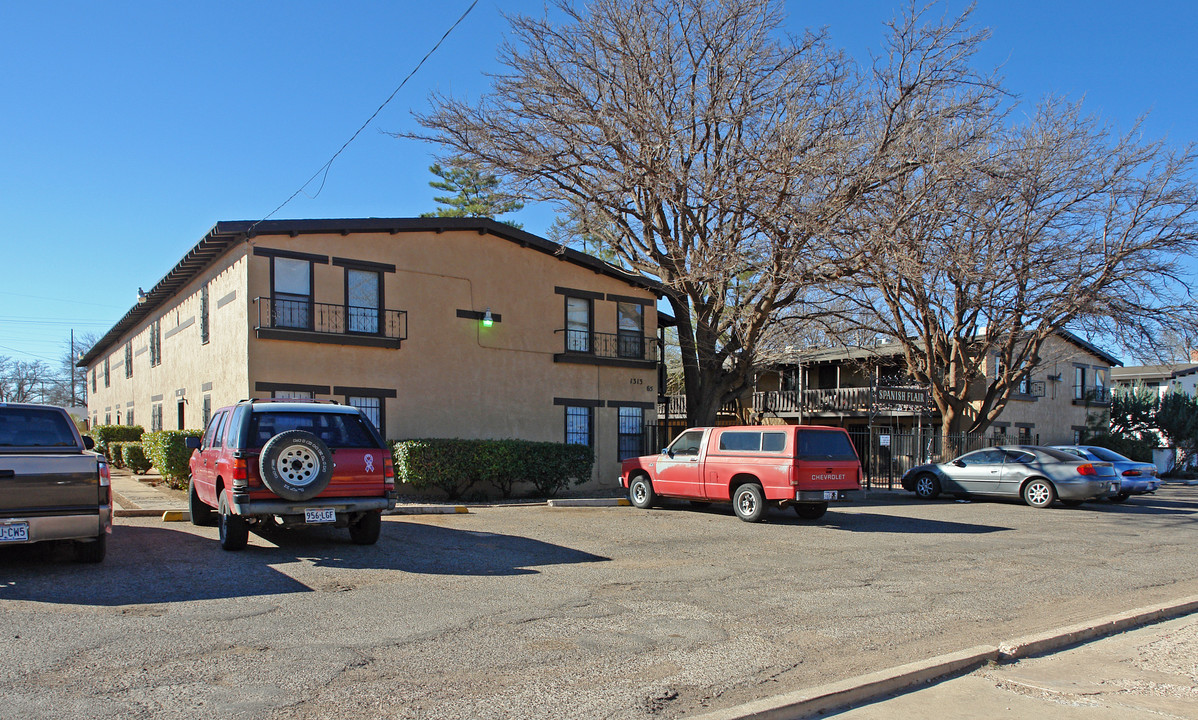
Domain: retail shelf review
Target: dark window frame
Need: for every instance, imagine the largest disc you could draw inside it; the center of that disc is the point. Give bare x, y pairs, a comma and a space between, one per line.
622, 437
129, 359
379, 320
310, 317
204, 315
579, 411
589, 340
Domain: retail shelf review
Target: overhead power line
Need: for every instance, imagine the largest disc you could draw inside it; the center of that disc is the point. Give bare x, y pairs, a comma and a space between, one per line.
324, 169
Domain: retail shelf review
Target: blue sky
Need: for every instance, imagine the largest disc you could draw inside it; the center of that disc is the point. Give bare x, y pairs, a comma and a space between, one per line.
130, 128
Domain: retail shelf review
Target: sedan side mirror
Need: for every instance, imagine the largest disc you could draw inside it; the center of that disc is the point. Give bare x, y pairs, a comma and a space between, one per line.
958, 463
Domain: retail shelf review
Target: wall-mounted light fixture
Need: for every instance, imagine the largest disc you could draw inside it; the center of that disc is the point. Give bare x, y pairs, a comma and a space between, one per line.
488, 321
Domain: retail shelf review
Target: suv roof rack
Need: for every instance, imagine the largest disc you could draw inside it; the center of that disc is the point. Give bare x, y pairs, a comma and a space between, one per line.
288, 400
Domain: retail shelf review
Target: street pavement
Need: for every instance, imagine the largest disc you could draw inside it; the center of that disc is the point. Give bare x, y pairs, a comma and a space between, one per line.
1149, 671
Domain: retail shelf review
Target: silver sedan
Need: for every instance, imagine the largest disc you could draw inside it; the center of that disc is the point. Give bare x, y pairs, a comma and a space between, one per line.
1037, 475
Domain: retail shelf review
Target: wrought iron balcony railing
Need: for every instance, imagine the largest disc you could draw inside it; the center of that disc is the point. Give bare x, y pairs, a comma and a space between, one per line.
1085, 395
326, 318
624, 346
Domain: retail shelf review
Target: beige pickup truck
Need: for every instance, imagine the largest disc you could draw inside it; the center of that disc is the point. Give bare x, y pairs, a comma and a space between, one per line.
52, 487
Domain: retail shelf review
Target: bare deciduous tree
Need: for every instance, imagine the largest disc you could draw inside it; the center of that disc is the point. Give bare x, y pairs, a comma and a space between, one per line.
725, 156
998, 243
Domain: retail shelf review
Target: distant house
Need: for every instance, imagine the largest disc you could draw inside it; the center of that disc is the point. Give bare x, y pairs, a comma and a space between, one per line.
433, 327
1160, 379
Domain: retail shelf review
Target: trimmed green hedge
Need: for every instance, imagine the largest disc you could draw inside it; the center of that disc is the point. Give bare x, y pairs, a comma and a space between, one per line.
105, 435
168, 453
133, 456
454, 466
115, 450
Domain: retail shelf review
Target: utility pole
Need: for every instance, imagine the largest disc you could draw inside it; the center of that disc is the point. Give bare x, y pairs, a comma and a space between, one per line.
72, 363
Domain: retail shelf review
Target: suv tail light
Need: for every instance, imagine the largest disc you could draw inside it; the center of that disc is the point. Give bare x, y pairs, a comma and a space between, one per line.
241, 470
794, 474
1086, 469
389, 473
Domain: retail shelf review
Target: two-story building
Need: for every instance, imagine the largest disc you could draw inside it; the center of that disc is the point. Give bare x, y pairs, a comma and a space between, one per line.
866, 390
434, 327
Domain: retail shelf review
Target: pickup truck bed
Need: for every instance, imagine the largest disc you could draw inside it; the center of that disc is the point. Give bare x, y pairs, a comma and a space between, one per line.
51, 486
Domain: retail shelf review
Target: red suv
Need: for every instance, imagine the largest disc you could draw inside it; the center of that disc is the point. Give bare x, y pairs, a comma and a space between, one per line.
289, 463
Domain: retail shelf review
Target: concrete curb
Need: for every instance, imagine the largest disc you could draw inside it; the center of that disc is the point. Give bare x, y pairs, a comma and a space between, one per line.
1109, 625
428, 510
874, 686
590, 502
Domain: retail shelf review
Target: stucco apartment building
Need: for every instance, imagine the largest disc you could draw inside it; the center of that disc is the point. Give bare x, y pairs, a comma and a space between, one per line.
861, 388
434, 327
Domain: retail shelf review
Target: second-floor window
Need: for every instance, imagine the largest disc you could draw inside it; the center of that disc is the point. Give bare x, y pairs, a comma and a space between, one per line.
107, 375
363, 298
204, 315
291, 292
156, 343
129, 359
1079, 383
630, 330
578, 324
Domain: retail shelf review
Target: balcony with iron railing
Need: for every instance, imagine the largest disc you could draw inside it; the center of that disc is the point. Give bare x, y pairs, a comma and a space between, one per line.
675, 407
785, 402
1091, 395
303, 320
593, 348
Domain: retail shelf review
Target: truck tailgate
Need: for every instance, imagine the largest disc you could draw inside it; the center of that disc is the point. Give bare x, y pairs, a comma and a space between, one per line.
30, 483
829, 475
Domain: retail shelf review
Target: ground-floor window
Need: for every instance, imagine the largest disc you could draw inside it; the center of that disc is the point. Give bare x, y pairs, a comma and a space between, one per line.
632, 425
578, 425
371, 407
156, 417
206, 411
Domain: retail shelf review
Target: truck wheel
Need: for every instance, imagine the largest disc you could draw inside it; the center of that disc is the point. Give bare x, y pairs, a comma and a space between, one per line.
640, 492
234, 530
811, 511
749, 503
366, 530
201, 512
91, 551
296, 465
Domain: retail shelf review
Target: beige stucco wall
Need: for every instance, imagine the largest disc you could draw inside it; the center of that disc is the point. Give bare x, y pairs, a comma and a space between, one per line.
451, 377
187, 364
1055, 416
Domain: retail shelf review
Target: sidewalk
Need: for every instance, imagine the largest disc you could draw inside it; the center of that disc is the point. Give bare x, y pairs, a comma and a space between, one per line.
148, 497
1150, 673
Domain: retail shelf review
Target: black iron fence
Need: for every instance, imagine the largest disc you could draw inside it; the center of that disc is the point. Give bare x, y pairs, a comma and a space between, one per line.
886, 454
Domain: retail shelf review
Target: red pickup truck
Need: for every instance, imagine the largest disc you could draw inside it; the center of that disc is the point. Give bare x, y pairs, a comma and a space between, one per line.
751, 466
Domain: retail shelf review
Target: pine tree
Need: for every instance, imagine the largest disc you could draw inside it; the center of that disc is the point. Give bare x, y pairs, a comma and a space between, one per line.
476, 194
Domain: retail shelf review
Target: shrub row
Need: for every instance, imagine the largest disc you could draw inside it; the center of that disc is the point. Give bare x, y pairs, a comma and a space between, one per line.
106, 435
168, 453
454, 465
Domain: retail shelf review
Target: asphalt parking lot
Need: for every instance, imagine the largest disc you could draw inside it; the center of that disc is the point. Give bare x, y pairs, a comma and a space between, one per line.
536, 612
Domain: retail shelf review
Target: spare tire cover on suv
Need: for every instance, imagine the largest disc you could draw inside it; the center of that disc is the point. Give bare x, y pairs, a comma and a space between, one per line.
296, 465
